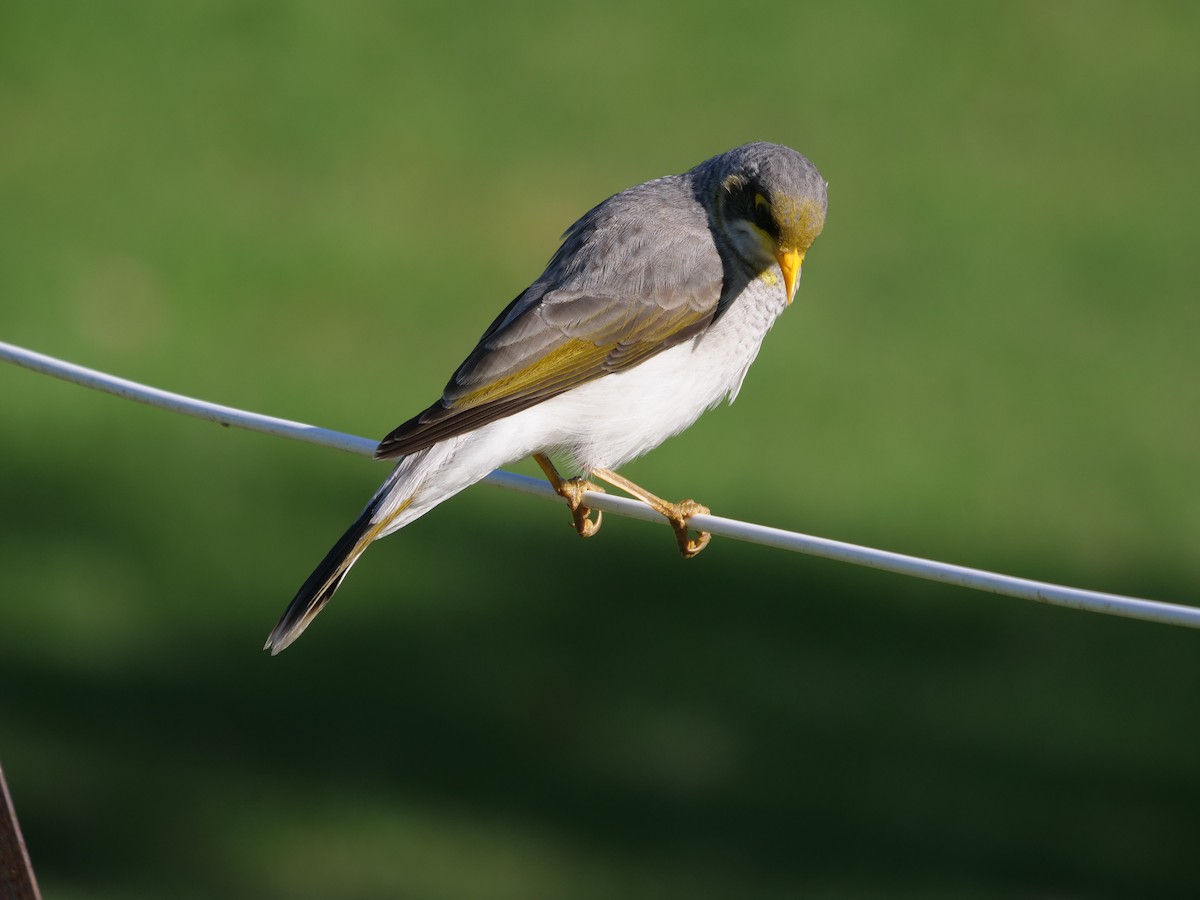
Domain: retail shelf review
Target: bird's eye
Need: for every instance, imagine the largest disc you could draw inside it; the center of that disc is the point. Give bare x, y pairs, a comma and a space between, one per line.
762, 214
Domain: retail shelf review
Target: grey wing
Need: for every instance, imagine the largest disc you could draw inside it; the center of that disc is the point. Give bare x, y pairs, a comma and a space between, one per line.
636, 275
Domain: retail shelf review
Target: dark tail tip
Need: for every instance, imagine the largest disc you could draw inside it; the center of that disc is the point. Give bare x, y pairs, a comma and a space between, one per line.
320, 586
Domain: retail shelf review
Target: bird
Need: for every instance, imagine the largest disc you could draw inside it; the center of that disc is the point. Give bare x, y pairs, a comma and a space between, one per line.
649, 314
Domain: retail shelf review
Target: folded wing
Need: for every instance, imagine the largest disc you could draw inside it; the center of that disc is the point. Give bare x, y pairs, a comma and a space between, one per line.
612, 297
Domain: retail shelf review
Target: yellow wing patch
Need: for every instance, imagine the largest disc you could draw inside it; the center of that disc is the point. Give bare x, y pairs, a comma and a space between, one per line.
625, 339
573, 357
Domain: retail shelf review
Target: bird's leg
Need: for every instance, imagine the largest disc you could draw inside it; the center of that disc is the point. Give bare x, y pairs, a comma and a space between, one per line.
676, 513
572, 490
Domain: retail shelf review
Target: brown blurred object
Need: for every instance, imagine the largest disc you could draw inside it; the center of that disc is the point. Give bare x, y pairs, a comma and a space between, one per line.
16, 872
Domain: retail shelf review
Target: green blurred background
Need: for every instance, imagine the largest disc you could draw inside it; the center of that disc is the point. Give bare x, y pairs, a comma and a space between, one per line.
312, 210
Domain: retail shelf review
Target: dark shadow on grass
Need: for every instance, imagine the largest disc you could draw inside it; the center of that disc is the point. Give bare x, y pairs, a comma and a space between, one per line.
754, 721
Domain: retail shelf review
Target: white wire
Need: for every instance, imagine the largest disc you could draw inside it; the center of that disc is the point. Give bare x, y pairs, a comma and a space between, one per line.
1023, 588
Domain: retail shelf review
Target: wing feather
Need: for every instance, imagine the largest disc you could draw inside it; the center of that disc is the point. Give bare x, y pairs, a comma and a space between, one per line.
636, 275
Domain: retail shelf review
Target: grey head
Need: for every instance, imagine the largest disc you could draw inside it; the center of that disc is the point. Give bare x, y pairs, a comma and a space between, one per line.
767, 203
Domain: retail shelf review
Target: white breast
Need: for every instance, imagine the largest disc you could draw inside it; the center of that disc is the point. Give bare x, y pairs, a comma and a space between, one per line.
604, 423
607, 422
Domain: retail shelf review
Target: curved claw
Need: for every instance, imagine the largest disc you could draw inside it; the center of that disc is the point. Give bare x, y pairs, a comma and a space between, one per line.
583, 525
690, 548
680, 513
572, 491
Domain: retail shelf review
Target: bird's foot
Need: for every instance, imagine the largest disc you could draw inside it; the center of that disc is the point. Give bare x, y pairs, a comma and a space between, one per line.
572, 490
675, 513
678, 514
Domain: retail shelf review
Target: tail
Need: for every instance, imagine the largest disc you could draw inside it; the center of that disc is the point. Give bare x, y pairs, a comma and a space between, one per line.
420, 481
320, 586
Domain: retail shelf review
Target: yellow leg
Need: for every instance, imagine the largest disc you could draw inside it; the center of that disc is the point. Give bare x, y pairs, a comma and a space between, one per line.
676, 513
572, 490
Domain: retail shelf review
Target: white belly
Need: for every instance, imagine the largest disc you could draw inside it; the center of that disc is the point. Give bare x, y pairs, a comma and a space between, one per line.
601, 424
607, 422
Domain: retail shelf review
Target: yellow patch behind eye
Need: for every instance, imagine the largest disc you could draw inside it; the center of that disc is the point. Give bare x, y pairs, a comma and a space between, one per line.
763, 208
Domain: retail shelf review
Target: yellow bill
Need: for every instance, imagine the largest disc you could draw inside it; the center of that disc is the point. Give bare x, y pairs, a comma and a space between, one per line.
789, 264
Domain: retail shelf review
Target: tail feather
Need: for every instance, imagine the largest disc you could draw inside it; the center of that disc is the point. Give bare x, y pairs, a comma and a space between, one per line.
319, 588
404, 495
321, 584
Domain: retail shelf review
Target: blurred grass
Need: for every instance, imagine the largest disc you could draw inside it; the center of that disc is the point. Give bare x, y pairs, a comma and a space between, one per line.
312, 211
